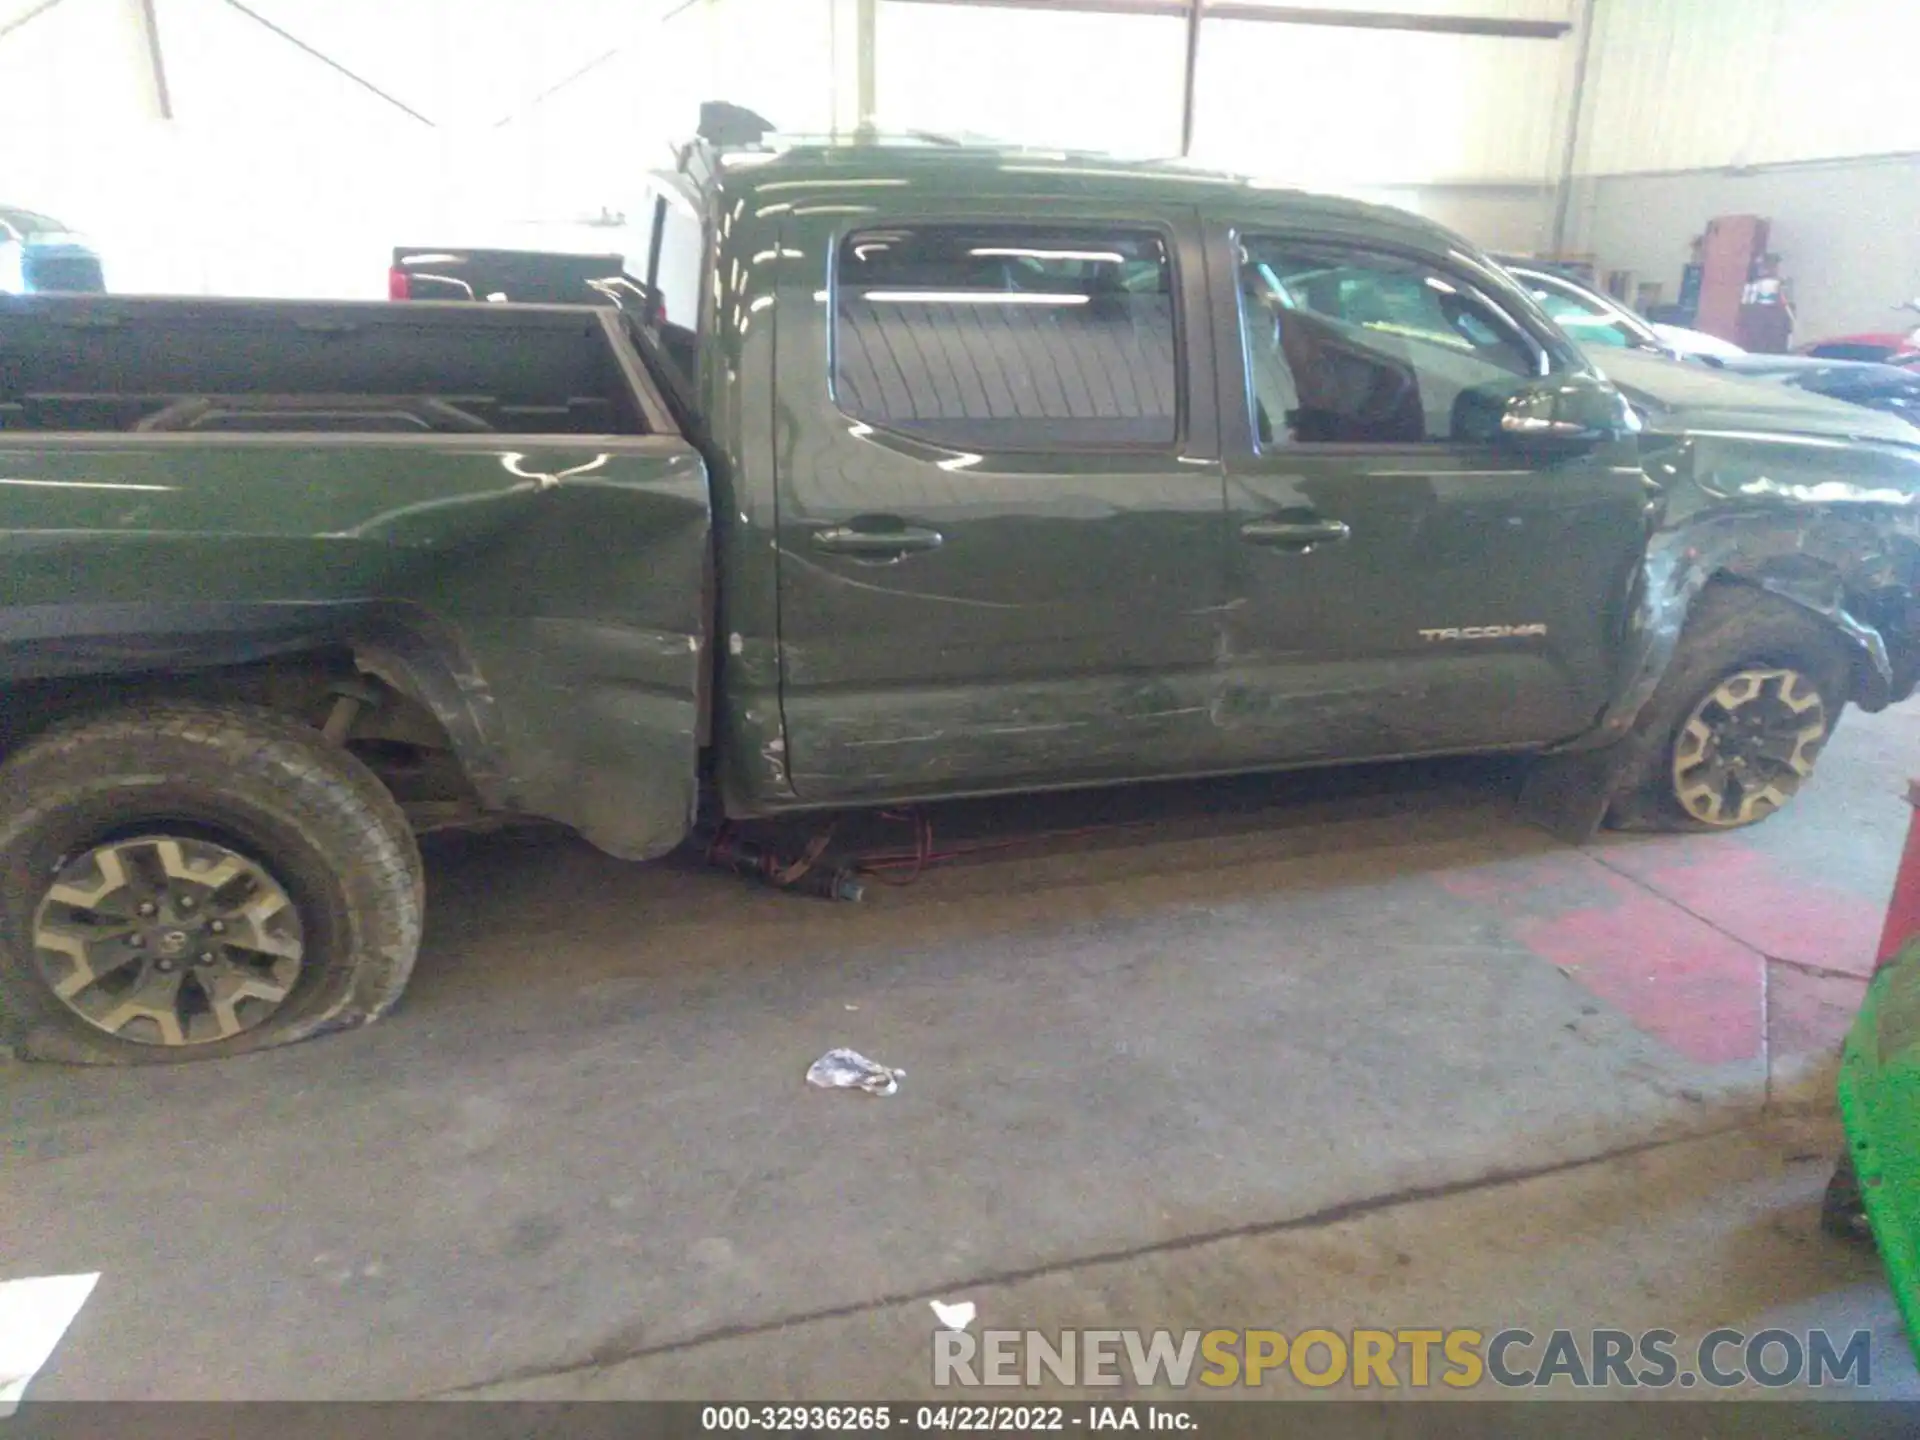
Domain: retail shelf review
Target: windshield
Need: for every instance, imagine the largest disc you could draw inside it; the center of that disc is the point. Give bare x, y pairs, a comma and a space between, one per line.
1584, 316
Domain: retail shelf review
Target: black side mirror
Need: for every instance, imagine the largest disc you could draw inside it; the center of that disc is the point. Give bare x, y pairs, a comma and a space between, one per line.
1568, 412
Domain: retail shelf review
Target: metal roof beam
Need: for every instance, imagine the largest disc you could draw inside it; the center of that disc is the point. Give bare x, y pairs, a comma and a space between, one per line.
330, 63
32, 12
1491, 25
153, 68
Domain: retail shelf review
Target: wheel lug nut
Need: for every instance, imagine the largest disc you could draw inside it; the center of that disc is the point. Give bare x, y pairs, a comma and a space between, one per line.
206, 957
218, 927
165, 967
136, 940
146, 907
186, 902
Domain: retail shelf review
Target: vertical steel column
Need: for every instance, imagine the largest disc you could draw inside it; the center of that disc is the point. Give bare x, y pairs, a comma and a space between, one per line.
1194, 9
1570, 156
866, 85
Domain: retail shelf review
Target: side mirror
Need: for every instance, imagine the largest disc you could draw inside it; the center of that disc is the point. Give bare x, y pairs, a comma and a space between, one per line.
1568, 412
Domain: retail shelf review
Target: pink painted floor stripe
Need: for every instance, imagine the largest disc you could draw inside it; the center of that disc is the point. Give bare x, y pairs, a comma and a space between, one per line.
1674, 976
1750, 895
1679, 980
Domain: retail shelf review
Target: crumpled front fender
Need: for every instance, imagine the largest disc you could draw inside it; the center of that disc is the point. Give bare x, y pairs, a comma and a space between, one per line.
1768, 512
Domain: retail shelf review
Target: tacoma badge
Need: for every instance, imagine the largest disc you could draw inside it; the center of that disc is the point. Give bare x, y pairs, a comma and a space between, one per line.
1484, 632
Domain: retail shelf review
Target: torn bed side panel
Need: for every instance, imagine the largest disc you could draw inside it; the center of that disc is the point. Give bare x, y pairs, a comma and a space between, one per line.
545, 604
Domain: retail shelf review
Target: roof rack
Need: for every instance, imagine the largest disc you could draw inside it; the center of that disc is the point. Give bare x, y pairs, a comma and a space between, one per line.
725, 126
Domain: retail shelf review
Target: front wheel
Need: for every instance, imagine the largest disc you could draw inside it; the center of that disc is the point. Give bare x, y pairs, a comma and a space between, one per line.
187, 881
1737, 723
1747, 745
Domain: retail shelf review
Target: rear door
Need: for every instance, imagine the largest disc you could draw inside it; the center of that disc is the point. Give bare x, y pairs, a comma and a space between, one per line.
1407, 583
1000, 500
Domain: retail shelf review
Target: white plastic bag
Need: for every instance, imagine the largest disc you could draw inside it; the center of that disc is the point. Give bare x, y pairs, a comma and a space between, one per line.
842, 1069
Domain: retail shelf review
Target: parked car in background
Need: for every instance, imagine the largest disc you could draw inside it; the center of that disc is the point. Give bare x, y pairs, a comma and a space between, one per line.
1603, 327
1595, 319
39, 254
540, 277
659, 251
1892, 388
1887, 347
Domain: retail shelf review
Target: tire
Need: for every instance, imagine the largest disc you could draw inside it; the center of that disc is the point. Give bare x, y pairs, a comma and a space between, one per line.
1735, 725
266, 883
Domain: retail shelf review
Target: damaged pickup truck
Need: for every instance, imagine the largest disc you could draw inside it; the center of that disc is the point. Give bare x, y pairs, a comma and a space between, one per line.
980, 471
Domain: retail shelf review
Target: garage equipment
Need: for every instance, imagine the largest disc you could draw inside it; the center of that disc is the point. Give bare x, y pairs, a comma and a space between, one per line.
1879, 1179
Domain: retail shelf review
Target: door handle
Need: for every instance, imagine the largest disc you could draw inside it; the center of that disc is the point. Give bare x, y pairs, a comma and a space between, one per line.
1297, 536
876, 544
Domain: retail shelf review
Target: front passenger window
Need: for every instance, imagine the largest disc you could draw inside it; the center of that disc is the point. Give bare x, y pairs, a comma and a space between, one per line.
1350, 346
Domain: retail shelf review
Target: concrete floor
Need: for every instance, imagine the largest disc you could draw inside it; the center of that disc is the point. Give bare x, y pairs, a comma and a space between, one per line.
1333, 1050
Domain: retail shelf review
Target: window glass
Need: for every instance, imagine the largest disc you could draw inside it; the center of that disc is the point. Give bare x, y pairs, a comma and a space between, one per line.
1582, 319
1347, 346
682, 253
1012, 338
677, 265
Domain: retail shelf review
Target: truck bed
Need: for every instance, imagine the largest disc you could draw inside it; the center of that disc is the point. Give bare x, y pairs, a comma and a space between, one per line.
486, 505
114, 363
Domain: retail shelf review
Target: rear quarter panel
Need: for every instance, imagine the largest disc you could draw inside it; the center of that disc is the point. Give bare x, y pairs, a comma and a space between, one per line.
543, 597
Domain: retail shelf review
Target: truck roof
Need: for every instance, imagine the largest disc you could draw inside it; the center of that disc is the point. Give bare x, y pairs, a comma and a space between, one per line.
792, 171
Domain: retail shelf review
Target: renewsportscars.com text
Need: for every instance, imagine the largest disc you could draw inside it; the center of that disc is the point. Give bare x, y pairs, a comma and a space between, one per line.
1368, 1359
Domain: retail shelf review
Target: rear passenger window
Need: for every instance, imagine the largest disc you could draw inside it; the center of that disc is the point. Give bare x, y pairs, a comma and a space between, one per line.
1008, 338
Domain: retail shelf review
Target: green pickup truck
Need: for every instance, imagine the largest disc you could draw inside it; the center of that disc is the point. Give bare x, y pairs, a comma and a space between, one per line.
979, 471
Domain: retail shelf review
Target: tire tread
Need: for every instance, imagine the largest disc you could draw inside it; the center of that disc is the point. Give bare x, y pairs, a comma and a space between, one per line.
338, 805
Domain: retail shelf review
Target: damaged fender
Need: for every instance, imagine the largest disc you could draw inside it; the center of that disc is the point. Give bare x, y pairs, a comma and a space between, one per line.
1831, 526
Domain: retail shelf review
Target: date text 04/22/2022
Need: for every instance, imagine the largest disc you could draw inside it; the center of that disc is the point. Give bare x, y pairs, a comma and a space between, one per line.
938, 1419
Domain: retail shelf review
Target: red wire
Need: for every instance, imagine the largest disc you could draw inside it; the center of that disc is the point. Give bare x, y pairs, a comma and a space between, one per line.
882, 859
922, 856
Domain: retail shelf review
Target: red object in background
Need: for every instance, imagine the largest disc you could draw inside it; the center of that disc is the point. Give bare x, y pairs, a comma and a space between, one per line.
1727, 252
1903, 910
1879, 347
398, 287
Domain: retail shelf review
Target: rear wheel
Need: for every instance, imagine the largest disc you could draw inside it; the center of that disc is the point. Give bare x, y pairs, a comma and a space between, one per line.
1738, 721
188, 881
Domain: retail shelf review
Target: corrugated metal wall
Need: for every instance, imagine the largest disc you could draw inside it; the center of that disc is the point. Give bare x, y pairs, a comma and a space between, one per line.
1703, 84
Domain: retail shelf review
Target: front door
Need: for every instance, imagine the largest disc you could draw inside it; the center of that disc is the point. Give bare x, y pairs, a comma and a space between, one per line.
1408, 582
1001, 509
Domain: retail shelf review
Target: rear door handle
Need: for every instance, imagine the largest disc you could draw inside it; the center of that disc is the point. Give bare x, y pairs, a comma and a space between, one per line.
1297, 536
876, 544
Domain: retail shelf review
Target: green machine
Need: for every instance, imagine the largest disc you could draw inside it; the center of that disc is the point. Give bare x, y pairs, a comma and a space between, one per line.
1877, 1186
